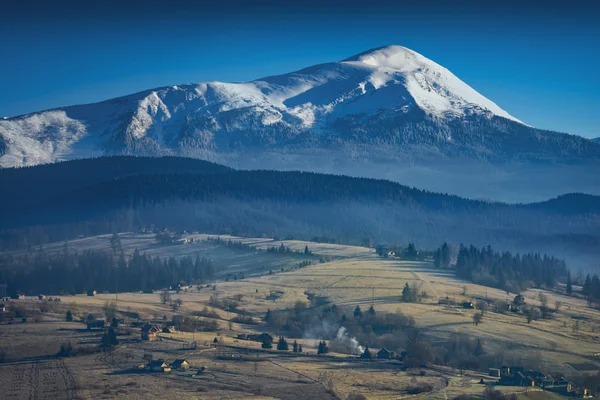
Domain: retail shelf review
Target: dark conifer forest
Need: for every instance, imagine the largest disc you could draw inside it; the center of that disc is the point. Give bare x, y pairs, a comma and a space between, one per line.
74, 273
507, 271
61, 201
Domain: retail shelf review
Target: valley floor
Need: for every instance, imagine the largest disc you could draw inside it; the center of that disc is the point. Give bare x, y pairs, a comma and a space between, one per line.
240, 369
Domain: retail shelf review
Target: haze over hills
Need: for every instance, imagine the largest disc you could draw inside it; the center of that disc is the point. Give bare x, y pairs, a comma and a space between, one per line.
96, 196
385, 113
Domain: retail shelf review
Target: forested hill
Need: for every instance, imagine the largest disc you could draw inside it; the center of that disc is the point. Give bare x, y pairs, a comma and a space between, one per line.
193, 194
118, 181
42, 180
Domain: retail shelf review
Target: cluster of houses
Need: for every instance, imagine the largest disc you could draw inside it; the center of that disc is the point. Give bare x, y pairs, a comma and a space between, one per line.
161, 365
518, 376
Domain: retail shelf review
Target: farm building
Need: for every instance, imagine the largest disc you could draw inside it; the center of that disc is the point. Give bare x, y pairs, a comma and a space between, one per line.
261, 337
495, 372
385, 354
91, 293
159, 366
181, 364
95, 320
150, 332
18, 296
468, 304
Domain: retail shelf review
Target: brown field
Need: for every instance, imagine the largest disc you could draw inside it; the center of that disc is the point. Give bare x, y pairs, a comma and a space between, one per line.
240, 369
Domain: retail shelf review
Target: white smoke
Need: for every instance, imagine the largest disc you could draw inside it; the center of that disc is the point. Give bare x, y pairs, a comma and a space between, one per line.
343, 338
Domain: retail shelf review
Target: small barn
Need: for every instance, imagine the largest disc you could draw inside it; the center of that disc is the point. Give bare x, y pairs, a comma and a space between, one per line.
95, 321
385, 354
495, 372
180, 364
523, 380
263, 337
150, 332
159, 366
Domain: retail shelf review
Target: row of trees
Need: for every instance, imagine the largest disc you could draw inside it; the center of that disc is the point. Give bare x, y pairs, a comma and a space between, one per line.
507, 271
591, 288
70, 272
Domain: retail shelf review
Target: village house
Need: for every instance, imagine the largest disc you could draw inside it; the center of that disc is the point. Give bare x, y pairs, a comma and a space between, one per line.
385, 354
516, 376
168, 329
180, 364
495, 372
95, 321
159, 366
522, 380
91, 293
261, 337
561, 386
18, 296
150, 332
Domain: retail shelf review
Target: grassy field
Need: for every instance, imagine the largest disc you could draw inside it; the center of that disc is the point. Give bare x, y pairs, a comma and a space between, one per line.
240, 369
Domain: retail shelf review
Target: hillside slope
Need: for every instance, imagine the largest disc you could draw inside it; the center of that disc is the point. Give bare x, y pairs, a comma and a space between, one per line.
215, 199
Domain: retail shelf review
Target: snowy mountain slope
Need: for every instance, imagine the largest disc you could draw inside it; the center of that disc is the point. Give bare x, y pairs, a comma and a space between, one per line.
165, 119
389, 106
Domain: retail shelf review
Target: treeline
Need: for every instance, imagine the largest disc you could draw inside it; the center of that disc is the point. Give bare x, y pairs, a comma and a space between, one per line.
74, 273
591, 288
239, 245
507, 271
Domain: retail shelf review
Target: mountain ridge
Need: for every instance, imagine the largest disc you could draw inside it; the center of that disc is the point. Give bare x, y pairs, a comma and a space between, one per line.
388, 107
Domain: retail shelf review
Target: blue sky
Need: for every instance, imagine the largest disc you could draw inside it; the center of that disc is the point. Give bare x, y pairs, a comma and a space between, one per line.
540, 63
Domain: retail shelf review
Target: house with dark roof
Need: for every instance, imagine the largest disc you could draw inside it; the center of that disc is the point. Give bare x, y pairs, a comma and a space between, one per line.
159, 366
495, 372
150, 332
261, 337
385, 354
95, 321
180, 364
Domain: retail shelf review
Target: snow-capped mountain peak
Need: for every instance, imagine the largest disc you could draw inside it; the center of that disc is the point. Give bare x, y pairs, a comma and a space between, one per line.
373, 96
434, 88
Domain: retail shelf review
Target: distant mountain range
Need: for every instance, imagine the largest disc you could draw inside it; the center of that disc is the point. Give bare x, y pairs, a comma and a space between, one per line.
102, 195
386, 113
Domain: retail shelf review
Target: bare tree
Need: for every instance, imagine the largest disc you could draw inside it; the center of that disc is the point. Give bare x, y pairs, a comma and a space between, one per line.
477, 318
465, 290
176, 304
165, 296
